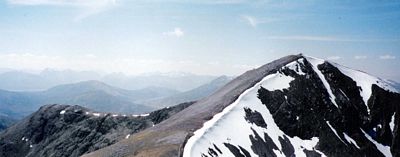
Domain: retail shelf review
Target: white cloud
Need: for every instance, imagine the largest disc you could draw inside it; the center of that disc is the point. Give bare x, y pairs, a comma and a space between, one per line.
252, 21
76, 3
387, 57
334, 58
87, 7
177, 32
327, 38
312, 38
223, 1
360, 57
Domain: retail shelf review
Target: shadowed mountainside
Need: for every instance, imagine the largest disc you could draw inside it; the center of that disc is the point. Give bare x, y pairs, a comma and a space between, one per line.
70, 131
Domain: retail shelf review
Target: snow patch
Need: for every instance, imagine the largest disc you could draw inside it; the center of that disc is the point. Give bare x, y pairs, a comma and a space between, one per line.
140, 115
277, 81
295, 66
30, 146
96, 114
391, 124
344, 94
144, 115
350, 140
127, 136
62, 112
114, 115
334, 131
315, 62
384, 149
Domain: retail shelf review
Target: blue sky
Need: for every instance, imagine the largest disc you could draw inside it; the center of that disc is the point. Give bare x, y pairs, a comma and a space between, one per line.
204, 37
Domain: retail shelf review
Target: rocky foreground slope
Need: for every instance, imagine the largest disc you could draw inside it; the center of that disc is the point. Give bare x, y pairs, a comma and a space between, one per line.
68, 131
294, 106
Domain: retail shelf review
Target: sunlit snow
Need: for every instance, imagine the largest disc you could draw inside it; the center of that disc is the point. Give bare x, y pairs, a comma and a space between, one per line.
384, 149
220, 128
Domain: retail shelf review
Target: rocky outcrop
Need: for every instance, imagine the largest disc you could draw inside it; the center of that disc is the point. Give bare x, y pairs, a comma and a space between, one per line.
63, 130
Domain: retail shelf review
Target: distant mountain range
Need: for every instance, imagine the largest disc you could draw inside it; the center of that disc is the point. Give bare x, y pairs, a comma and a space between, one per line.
22, 93
102, 97
91, 94
13, 80
25, 81
191, 95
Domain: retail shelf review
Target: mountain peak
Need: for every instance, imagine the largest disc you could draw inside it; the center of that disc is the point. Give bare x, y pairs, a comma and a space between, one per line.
272, 107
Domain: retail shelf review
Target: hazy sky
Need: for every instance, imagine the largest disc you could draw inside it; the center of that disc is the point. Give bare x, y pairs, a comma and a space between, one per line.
205, 37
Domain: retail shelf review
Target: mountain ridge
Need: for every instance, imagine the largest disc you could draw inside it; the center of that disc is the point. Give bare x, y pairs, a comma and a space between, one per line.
92, 94
70, 131
101, 97
179, 130
191, 95
17, 80
333, 94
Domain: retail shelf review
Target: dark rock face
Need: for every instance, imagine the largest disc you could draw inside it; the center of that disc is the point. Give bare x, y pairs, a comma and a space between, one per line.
287, 147
311, 153
163, 114
262, 147
255, 117
62, 130
293, 109
235, 151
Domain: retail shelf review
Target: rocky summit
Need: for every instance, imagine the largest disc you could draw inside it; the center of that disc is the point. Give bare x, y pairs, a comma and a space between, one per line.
70, 131
293, 106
